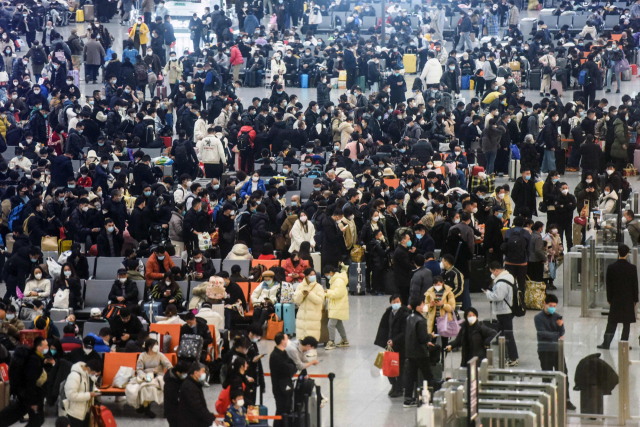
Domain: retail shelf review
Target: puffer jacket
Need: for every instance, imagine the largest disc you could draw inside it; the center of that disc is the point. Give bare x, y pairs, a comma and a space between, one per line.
338, 295
607, 203
446, 309
239, 251
432, 72
175, 227
77, 390
501, 295
309, 316
620, 140
210, 150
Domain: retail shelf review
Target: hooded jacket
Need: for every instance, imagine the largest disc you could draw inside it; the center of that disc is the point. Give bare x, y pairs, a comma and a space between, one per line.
211, 150
77, 389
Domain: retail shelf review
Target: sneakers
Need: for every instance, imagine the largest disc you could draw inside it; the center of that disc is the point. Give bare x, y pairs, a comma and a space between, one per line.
608, 91
603, 347
330, 346
511, 363
410, 403
570, 406
343, 343
311, 354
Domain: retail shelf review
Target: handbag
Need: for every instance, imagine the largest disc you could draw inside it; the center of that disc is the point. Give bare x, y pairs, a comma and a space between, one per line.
280, 243
622, 66
534, 294
274, 325
204, 241
630, 170
391, 364
448, 328
357, 253
61, 299
379, 359
49, 243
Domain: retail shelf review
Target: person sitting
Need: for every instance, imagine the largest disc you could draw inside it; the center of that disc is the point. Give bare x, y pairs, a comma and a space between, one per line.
236, 274
212, 317
266, 253
200, 267
95, 316
10, 326
69, 340
69, 281
198, 326
167, 291
102, 340
158, 264
137, 346
171, 316
124, 290
79, 262
294, 267
85, 353
236, 414
125, 327
147, 387
43, 323
37, 286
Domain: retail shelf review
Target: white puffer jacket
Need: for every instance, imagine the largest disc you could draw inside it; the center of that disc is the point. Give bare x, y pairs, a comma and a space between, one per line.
432, 72
200, 129
77, 388
211, 150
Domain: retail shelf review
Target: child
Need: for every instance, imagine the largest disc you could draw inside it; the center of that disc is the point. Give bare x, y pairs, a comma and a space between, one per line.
84, 180
236, 415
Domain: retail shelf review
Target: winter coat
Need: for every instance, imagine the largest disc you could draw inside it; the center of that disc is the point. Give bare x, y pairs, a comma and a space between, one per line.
210, 150
236, 56
323, 92
299, 269
338, 295
593, 371
394, 332
152, 270
175, 227
239, 251
474, 339
432, 72
622, 291
299, 235
77, 389
345, 129
309, 316
130, 292
524, 196
247, 188
193, 405
259, 231
620, 140
491, 138
501, 295
446, 309
93, 53
173, 70
421, 281
583, 195
144, 33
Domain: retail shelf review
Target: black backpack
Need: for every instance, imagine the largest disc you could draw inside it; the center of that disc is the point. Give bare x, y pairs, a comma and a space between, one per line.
244, 141
39, 57
181, 153
516, 248
517, 305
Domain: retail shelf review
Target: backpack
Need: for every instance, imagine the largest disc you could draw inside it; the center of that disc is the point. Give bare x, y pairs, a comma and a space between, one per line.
141, 73
290, 122
244, 141
14, 215
583, 77
24, 224
39, 57
112, 311
181, 154
517, 248
517, 306
14, 136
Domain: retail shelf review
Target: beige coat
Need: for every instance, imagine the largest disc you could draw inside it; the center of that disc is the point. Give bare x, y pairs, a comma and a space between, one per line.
346, 129
309, 315
173, 70
77, 390
338, 295
448, 307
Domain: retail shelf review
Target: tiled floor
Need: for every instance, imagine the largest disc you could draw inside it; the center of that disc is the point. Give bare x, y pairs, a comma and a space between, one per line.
360, 393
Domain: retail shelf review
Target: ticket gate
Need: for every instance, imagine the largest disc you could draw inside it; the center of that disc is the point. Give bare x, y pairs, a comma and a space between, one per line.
527, 406
539, 397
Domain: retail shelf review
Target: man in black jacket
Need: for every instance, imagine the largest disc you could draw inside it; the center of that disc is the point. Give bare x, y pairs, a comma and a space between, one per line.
591, 82
197, 326
142, 174
125, 327
565, 204
422, 150
110, 240
590, 157
417, 341
282, 369
550, 135
524, 193
235, 297
391, 333
403, 265
76, 142
172, 382
124, 290
192, 407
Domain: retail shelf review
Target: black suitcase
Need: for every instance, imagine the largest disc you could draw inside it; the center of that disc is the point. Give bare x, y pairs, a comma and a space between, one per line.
600, 82
190, 347
357, 275
480, 276
252, 78
535, 79
561, 160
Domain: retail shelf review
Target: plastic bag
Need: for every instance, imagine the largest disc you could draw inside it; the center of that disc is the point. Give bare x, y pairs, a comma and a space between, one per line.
61, 299
63, 257
54, 268
123, 376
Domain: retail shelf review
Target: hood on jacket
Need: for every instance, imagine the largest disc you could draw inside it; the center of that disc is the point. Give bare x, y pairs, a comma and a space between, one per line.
246, 128
613, 195
78, 367
240, 249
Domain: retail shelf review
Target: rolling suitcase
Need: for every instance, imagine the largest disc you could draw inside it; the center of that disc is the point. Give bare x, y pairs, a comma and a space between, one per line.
626, 76
600, 81
154, 312
479, 275
324, 327
304, 80
514, 169
190, 347
89, 14
79, 16
287, 312
636, 159
557, 85
409, 61
357, 274
167, 141
535, 80
161, 92
252, 79
465, 82
561, 160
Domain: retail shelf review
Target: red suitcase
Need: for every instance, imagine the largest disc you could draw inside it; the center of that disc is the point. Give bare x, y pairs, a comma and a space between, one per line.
102, 416
167, 141
161, 92
634, 69
28, 335
476, 170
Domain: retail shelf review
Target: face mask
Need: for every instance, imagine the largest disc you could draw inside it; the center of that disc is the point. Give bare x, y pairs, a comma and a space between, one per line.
67, 273
312, 279
183, 376
475, 210
203, 376
87, 350
155, 348
609, 171
551, 310
437, 287
85, 209
565, 192
160, 258
624, 220
11, 316
527, 177
456, 221
471, 320
268, 282
409, 243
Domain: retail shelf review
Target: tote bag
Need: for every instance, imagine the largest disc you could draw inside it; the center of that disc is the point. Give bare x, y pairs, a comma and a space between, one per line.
391, 364
274, 325
448, 328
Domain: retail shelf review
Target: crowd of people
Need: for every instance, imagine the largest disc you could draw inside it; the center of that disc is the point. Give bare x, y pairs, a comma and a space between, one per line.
397, 175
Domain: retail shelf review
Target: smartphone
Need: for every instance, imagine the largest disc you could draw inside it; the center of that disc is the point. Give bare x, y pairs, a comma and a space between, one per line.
261, 356
483, 290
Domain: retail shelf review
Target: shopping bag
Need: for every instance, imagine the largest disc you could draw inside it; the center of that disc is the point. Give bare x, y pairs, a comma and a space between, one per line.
274, 325
630, 170
379, 359
49, 243
357, 253
61, 299
204, 241
391, 364
539, 186
342, 75
534, 294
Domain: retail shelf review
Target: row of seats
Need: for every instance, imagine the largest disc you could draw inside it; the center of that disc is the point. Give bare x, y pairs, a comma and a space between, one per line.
576, 22
153, 152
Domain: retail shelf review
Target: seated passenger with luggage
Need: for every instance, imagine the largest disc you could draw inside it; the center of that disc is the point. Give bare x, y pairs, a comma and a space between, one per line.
197, 326
148, 384
265, 296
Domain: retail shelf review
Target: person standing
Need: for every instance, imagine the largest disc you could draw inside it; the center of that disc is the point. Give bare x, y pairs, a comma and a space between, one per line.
417, 343
524, 193
139, 33
403, 266
622, 296
550, 329
350, 64
537, 253
474, 338
173, 380
93, 57
338, 303
550, 135
195, 26
282, 369
398, 87
501, 297
391, 333
565, 204
80, 389
193, 406
493, 238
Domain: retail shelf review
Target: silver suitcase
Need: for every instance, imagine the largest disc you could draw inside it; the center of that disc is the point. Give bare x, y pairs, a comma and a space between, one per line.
514, 169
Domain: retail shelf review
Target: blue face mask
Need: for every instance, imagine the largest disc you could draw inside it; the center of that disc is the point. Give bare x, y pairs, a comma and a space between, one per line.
500, 215
527, 177
308, 165
418, 236
100, 144
294, 203
199, 209
409, 243
555, 180
110, 229
396, 306
396, 74
147, 193
71, 185
215, 187
233, 199
53, 351
361, 162
33, 260
61, 199
551, 310
431, 189
402, 150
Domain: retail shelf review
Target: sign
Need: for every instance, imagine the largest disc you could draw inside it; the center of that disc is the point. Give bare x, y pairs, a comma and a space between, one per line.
472, 391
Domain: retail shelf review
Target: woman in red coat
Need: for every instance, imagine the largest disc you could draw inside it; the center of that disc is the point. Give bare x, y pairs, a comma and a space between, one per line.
295, 267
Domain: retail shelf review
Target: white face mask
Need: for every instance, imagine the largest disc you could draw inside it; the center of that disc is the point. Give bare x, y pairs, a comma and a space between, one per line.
122, 279
438, 288
425, 309
475, 210
588, 181
167, 282
38, 276
609, 171
471, 320
155, 348
87, 350
375, 219
565, 192
456, 221
11, 316
240, 402
501, 196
